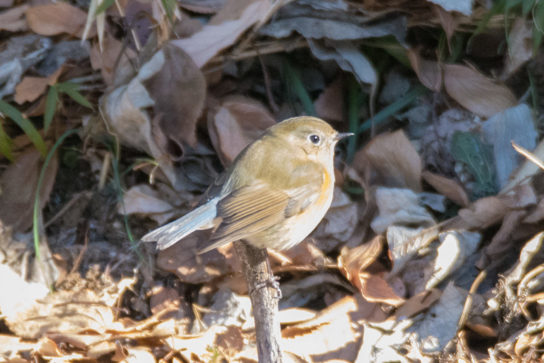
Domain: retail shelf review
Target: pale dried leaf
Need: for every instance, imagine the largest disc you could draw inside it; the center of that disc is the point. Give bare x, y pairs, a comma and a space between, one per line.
399, 207
448, 187
374, 288
439, 325
178, 89
335, 328
18, 188
56, 18
213, 38
483, 213
352, 262
237, 122
428, 72
141, 199
30, 88
520, 46
13, 20
330, 103
515, 124
454, 249
476, 92
395, 159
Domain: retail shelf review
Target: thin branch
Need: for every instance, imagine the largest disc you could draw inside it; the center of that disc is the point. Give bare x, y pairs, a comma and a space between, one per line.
264, 301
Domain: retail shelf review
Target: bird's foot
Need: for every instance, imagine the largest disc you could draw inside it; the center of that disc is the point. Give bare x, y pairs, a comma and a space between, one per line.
273, 282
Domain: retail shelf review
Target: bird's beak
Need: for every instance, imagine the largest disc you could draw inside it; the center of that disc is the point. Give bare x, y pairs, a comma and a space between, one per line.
342, 135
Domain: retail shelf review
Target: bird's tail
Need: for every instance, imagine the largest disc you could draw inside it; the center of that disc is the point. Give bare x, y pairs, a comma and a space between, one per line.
200, 218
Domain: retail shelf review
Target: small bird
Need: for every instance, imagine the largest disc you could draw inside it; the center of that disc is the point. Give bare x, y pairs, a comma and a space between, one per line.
273, 195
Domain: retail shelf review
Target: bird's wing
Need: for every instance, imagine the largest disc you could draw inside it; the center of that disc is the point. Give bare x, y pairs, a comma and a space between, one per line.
253, 209
202, 217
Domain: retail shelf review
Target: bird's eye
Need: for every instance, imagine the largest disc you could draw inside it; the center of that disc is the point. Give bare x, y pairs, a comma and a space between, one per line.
314, 139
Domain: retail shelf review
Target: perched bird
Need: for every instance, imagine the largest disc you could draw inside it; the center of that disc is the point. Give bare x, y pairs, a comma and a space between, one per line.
273, 195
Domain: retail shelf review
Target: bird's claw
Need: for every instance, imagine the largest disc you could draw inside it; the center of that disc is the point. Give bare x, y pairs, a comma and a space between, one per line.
272, 282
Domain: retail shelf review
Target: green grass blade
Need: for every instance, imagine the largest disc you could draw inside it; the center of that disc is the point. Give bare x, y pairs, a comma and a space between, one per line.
36, 211
294, 81
50, 106
393, 108
355, 98
72, 90
5, 143
25, 125
104, 6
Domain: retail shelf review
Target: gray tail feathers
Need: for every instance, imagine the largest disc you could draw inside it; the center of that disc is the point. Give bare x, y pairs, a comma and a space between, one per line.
200, 218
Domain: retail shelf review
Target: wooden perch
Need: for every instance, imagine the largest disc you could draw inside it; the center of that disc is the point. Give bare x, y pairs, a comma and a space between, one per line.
264, 301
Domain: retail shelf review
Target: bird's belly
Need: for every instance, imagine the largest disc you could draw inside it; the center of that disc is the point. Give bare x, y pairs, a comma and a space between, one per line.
292, 230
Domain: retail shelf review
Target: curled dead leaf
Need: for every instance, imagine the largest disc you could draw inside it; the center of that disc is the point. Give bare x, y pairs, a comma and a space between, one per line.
57, 18
476, 92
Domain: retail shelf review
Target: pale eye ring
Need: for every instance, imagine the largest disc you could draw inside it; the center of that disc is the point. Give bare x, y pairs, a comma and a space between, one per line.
314, 139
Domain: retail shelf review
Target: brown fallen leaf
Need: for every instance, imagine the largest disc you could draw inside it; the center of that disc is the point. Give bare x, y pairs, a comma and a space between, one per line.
178, 90
182, 259
31, 88
13, 20
375, 288
111, 57
428, 72
483, 213
330, 103
337, 328
395, 160
225, 28
57, 18
476, 92
448, 187
237, 122
18, 185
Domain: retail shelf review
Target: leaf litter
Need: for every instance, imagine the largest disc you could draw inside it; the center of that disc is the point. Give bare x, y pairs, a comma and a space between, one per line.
431, 250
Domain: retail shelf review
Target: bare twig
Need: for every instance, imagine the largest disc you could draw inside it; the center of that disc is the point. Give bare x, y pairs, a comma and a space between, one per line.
263, 300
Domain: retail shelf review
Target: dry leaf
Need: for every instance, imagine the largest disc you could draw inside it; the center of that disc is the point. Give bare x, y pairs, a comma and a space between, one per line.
141, 199
57, 18
31, 88
336, 329
18, 187
394, 158
352, 262
374, 288
178, 90
13, 20
182, 259
448, 187
399, 207
237, 122
428, 72
114, 58
213, 38
483, 213
330, 103
476, 92
520, 46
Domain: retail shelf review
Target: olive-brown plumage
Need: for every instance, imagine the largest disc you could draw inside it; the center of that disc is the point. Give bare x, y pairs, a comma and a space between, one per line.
275, 193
